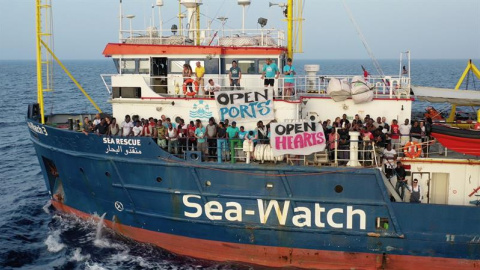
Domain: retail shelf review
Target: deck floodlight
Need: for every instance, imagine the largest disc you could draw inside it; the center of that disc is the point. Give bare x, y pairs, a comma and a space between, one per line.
174, 29
262, 22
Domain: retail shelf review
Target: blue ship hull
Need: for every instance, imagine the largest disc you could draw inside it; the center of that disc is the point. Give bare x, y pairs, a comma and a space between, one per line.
271, 215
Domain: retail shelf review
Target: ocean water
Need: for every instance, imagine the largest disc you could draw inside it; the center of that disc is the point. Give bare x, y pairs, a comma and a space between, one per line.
34, 236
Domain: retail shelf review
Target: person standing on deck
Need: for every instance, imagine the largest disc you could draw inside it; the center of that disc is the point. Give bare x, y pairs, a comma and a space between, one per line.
404, 133
127, 126
415, 192
199, 73
200, 136
235, 74
401, 181
289, 72
395, 134
270, 72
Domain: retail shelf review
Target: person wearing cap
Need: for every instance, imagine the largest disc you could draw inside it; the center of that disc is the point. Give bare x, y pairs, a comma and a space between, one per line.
270, 72
415, 192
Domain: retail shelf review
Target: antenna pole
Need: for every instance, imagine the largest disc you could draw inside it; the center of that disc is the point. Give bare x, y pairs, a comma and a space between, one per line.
120, 34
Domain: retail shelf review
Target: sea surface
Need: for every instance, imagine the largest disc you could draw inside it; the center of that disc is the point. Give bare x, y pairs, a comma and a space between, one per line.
34, 236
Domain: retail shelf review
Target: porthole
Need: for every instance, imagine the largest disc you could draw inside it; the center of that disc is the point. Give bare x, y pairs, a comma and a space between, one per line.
338, 188
159, 179
208, 183
107, 174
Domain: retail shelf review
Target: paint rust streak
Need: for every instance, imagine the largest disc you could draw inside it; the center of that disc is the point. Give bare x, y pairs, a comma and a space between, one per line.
275, 256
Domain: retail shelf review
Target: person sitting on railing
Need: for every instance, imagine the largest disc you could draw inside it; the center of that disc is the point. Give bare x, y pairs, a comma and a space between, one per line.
211, 88
235, 74
389, 157
289, 72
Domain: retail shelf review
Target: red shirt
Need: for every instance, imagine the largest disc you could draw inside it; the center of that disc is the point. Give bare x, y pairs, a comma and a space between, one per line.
395, 132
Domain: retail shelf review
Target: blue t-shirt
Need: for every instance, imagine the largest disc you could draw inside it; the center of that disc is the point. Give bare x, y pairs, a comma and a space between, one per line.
270, 70
235, 72
289, 78
232, 131
241, 134
200, 132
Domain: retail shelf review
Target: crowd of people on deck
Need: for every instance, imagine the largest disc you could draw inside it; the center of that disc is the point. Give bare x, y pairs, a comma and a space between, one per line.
177, 135
213, 139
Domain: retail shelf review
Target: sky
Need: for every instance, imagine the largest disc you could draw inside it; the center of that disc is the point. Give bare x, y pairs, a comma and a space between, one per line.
430, 29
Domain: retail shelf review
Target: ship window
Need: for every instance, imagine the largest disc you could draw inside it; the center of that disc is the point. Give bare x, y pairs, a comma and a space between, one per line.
381, 223
117, 65
247, 66
128, 66
176, 66
211, 66
144, 66
193, 64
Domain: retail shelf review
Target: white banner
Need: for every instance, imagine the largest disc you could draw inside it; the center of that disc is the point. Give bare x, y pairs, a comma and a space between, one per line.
245, 105
299, 138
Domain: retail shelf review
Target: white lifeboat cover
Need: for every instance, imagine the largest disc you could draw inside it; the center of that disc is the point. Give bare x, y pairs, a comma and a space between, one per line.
361, 92
338, 90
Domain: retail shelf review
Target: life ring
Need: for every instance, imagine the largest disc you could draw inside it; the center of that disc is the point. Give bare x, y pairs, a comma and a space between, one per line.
185, 87
412, 149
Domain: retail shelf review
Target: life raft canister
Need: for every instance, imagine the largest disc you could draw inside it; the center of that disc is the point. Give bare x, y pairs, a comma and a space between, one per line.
412, 149
185, 87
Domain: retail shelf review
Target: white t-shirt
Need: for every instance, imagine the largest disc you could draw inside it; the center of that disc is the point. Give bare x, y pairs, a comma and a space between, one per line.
388, 158
137, 130
96, 122
405, 129
127, 127
212, 88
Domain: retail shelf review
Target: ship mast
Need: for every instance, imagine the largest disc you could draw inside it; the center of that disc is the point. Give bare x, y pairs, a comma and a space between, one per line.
45, 55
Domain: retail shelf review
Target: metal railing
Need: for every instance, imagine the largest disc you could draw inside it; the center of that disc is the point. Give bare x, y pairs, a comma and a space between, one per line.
208, 37
303, 85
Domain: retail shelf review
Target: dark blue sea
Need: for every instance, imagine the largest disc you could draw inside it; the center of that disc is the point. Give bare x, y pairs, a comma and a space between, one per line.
34, 236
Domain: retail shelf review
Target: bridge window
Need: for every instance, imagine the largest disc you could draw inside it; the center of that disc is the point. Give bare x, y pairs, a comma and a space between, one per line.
128, 66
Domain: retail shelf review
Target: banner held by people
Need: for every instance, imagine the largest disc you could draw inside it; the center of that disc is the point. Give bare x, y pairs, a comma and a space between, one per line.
245, 105
298, 138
